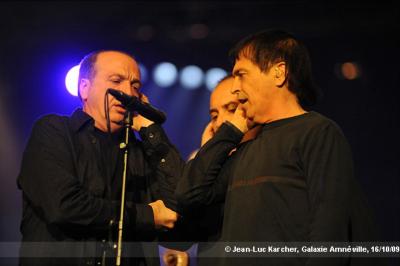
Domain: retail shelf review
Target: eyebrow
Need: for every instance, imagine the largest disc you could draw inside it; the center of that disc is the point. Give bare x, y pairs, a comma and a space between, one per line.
237, 71
213, 110
229, 103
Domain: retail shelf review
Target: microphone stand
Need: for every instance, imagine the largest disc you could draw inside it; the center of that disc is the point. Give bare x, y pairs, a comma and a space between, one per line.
128, 120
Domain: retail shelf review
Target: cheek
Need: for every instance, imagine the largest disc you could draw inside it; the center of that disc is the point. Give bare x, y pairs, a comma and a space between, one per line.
93, 97
100, 95
254, 95
248, 88
224, 115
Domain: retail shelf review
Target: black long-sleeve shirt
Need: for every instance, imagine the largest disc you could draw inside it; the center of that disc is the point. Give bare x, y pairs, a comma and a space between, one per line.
71, 182
293, 182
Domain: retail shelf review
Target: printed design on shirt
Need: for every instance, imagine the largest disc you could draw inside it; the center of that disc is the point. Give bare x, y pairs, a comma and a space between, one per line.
291, 181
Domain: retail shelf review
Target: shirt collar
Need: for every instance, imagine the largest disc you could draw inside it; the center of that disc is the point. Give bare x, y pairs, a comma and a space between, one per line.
79, 118
284, 121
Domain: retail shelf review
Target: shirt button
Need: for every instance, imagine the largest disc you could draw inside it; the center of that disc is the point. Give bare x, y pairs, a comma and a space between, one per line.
151, 135
163, 160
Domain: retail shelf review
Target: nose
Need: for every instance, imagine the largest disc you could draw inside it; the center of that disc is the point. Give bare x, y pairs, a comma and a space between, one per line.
127, 88
235, 87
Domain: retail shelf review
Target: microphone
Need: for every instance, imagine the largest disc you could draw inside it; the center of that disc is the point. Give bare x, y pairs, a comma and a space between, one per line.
132, 103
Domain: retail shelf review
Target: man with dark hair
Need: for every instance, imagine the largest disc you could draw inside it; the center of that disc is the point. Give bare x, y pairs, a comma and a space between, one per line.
71, 173
266, 50
294, 182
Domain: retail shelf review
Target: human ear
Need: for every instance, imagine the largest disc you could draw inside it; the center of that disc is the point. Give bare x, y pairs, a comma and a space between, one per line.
280, 74
84, 86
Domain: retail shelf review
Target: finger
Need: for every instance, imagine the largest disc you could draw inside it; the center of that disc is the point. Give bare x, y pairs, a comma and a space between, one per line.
173, 218
240, 108
143, 98
169, 225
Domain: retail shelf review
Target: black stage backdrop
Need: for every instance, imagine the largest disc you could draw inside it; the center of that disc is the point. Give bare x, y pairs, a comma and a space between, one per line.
40, 41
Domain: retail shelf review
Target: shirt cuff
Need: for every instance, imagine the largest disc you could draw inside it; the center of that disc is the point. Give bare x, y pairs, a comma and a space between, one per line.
140, 216
154, 134
228, 130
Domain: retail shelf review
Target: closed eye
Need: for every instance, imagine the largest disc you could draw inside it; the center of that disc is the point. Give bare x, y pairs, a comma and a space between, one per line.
116, 81
231, 107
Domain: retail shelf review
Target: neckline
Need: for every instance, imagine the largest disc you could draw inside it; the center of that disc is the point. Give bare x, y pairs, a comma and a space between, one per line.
283, 121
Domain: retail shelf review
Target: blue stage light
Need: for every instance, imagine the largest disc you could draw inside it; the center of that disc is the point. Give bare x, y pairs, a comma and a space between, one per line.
191, 77
213, 76
165, 74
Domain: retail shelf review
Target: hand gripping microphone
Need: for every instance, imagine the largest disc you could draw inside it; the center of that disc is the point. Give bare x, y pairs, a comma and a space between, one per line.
132, 103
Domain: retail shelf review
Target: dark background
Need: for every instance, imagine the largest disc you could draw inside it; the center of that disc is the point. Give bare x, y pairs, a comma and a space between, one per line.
40, 41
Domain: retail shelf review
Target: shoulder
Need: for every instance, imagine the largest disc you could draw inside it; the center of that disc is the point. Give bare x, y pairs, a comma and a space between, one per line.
321, 130
51, 119
48, 132
49, 124
324, 140
316, 122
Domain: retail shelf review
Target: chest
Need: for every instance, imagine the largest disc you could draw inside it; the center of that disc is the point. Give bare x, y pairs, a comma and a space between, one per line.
99, 166
268, 155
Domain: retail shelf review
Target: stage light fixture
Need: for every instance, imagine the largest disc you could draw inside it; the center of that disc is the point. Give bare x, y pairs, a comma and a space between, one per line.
165, 74
71, 80
191, 77
213, 76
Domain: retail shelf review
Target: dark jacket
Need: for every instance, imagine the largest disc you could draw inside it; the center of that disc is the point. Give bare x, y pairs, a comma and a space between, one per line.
64, 189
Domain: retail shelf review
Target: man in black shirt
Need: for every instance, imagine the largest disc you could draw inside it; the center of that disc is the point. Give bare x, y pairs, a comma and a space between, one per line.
294, 182
72, 170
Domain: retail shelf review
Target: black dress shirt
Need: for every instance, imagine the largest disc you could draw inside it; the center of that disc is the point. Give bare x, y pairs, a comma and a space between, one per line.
70, 178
